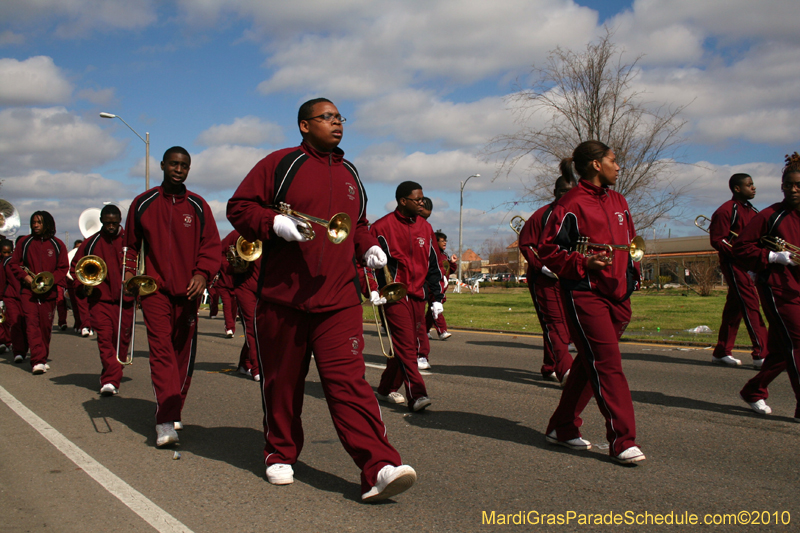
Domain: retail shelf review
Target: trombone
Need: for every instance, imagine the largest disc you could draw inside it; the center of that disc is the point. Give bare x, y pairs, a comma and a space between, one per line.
517, 222
129, 358
636, 248
42, 282
140, 284
776, 244
91, 270
393, 291
338, 227
702, 221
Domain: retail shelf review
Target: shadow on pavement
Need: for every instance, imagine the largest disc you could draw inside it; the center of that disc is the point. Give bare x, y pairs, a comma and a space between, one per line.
326, 481
87, 381
659, 398
505, 344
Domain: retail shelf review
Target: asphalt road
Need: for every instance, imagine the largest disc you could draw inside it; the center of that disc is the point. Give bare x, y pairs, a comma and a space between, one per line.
478, 449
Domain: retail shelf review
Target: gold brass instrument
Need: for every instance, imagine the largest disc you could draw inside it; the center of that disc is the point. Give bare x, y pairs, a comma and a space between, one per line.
42, 282
2, 314
129, 360
516, 224
393, 292
636, 248
91, 270
141, 284
338, 227
702, 221
242, 254
776, 244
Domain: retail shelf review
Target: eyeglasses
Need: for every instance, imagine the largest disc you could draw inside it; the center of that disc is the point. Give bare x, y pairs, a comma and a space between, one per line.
419, 200
790, 185
328, 117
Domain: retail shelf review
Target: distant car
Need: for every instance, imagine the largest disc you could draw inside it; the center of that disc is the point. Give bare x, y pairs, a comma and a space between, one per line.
523, 278
505, 276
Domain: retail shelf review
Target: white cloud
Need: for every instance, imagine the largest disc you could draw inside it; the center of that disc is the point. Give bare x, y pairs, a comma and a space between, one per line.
222, 168
35, 81
245, 131
8, 37
97, 96
61, 185
51, 139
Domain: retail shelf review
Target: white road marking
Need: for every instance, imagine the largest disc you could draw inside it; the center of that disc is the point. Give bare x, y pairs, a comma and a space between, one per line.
135, 500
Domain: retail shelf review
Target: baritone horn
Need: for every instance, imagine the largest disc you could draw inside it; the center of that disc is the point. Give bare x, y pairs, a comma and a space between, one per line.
636, 248
42, 282
338, 227
91, 270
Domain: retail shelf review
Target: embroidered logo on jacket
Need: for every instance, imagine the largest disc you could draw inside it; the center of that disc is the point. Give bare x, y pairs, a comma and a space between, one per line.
620, 217
187, 220
351, 191
49, 253
421, 242
354, 344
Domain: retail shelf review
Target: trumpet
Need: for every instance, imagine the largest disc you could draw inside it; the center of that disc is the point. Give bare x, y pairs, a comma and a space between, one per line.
776, 244
701, 221
392, 292
242, 254
636, 248
141, 284
42, 282
91, 270
516, 223
338, 227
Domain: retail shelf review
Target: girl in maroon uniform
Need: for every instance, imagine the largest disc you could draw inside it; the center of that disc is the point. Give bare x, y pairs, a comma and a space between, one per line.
595, 291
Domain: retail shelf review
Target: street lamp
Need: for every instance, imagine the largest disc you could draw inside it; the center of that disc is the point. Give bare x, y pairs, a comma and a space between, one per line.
461, 226
146, 142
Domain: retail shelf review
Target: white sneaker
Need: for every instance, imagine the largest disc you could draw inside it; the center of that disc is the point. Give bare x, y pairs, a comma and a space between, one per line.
229, 333
91, 332
759, 407
19, 358
3, 348
392, 397
280, 474
727, 360
564, 379
552, 377
422, 363
257, 377
631, 455
166, 435
39, 369
392, 480
46, 366
445, 335
433, 335
85, 332
245, 372
178, 425
758, 363
421, 403
108, 390
573, 444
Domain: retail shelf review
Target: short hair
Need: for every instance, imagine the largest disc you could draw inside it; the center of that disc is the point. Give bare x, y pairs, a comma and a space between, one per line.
406, 188
176, 150
737, 180
304, 113
110, 209
440, 235
77, 243
49, 230
427, 203
6, 242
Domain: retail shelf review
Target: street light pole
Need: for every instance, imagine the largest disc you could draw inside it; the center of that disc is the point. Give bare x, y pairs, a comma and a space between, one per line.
461, 227
146, 142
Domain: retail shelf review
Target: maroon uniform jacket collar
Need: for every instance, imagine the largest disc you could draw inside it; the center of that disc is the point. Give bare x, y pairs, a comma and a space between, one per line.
336, 156
404, 219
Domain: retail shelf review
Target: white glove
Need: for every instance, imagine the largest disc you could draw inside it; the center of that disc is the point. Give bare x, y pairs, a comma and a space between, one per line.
549, 273
437, 309
781, 258
376, 298
285, 228
375, 258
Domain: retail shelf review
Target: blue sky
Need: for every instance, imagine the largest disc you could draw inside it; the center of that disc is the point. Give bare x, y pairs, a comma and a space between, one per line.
422, 83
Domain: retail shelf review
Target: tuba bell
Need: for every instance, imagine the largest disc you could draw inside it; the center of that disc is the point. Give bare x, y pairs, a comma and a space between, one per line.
9, 220
91, 270
89, 222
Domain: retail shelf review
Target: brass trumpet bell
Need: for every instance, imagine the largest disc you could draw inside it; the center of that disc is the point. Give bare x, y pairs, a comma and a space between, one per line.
338, 227
249, 251
141, 285
636, 248
393, 292
91, 270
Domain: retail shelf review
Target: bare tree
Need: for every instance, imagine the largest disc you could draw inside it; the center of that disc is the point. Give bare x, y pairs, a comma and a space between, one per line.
590, 95
496, 249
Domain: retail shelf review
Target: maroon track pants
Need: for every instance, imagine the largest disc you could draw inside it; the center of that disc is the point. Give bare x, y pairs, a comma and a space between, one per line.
596, 324
106, 326
172, 335
15, 320
80, 309
229, 307
546, 295
286, 339
38, 325
440, 323
248, 357
404, 319
213, 302
742, 303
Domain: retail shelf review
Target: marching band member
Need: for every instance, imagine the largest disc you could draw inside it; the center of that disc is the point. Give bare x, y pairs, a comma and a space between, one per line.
449, 265
409, 243
546, 292
309, 300
6, 249
778, 283
103, 300
41, 251
80, 306
182, 251
742, 302
225, 289
596, 291
15, 318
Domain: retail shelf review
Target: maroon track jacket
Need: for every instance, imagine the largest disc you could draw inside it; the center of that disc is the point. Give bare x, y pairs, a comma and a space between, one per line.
110, 250
41, 255
731, 217
181, 238
602, 215
530, 236
312, 276
411, 248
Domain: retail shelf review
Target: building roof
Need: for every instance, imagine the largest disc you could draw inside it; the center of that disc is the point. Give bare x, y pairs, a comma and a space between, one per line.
469, 255
678, 246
